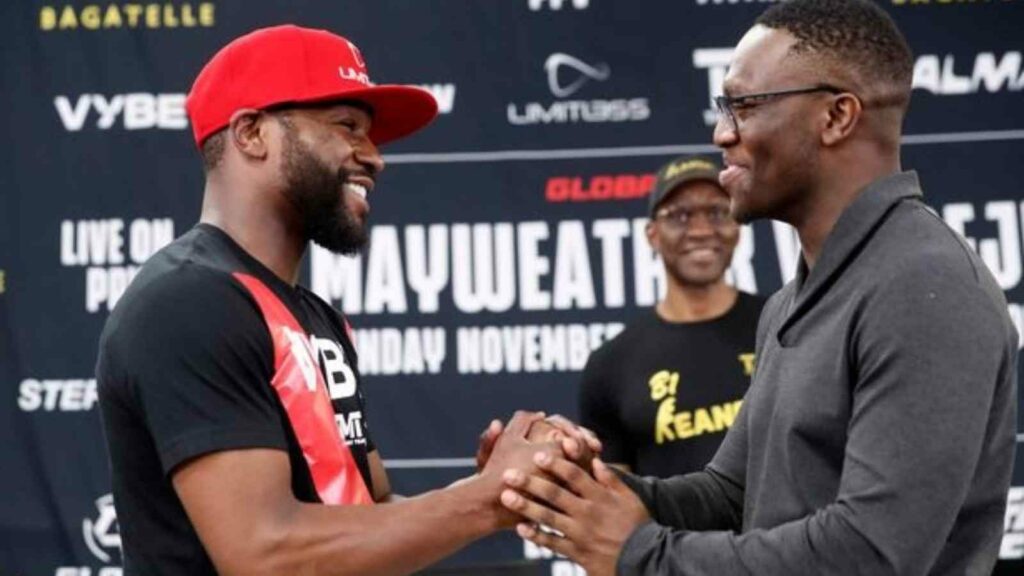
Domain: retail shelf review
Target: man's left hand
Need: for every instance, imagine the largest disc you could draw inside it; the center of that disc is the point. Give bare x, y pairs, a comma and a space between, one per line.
595, 515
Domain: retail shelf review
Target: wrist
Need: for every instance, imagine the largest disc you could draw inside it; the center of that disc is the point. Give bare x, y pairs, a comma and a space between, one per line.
478, 498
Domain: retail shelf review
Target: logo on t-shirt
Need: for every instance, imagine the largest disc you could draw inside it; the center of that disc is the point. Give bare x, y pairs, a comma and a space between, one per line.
672, 424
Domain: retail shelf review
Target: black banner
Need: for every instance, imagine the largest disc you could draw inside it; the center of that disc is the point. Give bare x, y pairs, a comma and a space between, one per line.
508, 237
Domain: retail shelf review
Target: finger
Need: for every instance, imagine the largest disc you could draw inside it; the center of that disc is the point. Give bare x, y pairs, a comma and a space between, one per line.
605, 475
544, 490
572, 448
535, 511
559, 544
591, 439
569, 473
520, 423
486, 444
576, 431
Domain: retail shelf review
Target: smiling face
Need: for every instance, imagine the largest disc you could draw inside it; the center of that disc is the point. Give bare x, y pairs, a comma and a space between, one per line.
328, 165
771, 156
698, 252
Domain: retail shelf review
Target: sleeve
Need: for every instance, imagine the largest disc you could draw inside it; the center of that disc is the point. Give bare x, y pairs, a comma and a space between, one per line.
197, 361
703, 500
599, 411
930, 350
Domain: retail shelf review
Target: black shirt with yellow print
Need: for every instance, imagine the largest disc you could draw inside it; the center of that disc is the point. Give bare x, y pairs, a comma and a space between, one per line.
661, 395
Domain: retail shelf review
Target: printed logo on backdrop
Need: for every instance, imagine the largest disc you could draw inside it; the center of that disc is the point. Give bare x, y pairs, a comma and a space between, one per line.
599, 188
930, 3
135, 111
114, 16
566, 76
444, 94
102, 537
538, 266
145, 111
1012, 547
538, 5
733, 2
56, 395
111, 253
584, 72
944, 74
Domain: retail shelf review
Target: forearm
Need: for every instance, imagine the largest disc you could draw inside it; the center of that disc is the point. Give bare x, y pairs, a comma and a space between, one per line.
702, 500
390, 540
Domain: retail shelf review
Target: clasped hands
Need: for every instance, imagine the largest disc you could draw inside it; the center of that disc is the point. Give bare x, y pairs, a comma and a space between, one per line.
557, 492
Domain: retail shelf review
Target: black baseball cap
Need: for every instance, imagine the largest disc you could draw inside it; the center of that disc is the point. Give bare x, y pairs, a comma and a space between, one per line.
680, 171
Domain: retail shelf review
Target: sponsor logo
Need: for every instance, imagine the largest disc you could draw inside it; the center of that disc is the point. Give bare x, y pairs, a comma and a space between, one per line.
443, 93
75, 395
585, 71
989, 73
599, 188
577, 111
716, 62
538, 5
940, 75
927, 3
357, 55
102, 535
1012, 547
732, 2
356, 75
135, 111
111, 252
167, 15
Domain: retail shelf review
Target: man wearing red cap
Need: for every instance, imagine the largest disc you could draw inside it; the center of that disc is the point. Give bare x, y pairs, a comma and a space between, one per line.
229, 394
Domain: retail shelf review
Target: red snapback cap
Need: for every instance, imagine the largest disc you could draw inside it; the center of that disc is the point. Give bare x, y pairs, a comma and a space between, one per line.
290, 64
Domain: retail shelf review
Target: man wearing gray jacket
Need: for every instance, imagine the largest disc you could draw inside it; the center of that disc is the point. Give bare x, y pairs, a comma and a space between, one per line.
878, 434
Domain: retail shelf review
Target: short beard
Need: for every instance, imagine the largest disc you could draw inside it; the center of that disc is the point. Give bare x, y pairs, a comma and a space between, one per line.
317, 196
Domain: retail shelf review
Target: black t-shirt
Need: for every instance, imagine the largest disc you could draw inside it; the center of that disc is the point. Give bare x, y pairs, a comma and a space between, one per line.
661, 395
185, 367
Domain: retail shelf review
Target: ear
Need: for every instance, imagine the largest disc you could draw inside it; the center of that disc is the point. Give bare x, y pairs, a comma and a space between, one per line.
652, 235
843, 116
247, 131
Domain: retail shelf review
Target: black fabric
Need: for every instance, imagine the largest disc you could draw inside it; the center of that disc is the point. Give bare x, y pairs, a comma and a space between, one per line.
184, 369
627, 389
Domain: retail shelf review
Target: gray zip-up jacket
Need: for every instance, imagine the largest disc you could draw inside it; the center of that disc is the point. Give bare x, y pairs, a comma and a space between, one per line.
878, 434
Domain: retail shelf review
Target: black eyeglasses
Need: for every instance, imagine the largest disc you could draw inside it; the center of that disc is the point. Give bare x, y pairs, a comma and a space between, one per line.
680, 217
727, 105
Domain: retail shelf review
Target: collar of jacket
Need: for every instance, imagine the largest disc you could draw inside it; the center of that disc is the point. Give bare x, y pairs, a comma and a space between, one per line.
855, 227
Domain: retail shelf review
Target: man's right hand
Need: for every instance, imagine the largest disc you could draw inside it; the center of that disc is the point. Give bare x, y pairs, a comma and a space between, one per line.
511, 448
578, 443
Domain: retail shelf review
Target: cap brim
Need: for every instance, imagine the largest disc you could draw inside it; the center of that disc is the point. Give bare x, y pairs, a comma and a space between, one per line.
398, 111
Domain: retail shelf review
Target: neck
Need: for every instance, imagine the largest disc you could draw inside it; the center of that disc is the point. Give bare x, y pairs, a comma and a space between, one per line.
827, 202
696, 303
245, 215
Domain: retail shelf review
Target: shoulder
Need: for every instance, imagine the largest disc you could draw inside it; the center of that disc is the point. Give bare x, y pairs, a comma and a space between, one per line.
919, 255
636, 333
179, 309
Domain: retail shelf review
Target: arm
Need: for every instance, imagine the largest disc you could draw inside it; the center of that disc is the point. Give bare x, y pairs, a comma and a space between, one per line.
928, 349
381, 488
241, 504
928, 359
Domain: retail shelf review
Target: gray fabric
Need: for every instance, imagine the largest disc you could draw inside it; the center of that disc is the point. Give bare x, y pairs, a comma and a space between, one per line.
878, 434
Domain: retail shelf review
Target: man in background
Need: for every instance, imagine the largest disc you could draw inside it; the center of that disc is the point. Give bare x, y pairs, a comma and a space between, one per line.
662, 394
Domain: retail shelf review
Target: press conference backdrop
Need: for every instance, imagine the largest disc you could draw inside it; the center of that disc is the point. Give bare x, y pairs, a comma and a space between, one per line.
507, 239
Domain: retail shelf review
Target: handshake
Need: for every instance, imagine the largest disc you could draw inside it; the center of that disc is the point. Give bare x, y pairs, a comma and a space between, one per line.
546, 472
